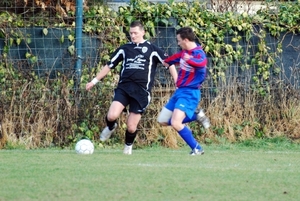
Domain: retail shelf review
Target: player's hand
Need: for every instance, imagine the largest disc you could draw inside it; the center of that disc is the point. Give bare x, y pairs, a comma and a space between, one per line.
166, 64
88, 86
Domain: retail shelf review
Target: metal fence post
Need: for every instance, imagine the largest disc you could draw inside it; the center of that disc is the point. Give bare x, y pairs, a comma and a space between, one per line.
78, 42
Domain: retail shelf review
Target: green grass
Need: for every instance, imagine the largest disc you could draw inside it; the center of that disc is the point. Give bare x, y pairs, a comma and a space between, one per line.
227, 172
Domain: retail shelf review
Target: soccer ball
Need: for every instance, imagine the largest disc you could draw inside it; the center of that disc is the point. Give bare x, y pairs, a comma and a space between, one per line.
84, 146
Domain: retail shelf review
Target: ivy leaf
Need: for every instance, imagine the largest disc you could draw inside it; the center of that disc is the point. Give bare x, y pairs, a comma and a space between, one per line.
105, 57
129, 19
33, 59
2, 35
45, 31
71, 37
28, 40
166, 22
71, 49
27, 55
11, 41
147, 36
62, 39
5, 49
18, 41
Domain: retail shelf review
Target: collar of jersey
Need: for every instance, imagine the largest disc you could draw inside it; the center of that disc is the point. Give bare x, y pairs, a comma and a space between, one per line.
139, 43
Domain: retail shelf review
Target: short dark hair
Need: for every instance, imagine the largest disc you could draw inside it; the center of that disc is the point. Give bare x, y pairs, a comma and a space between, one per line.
137, 23
186, 33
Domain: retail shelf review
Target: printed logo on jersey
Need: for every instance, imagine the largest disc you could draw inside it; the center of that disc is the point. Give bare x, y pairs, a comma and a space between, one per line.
144, 49
136, 63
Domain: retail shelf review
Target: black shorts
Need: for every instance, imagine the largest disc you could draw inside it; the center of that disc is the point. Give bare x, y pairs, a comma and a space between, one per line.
137, 98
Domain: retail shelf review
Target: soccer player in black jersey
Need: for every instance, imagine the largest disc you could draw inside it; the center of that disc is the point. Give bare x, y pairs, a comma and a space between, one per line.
139, 61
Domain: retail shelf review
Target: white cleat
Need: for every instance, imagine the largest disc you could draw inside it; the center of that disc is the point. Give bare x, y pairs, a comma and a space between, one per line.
203, 119
106, 133
197, 152
127, 150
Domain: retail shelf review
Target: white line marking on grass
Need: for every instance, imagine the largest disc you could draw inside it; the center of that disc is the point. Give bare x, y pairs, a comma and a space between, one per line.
258, 151
272, 152
209, 166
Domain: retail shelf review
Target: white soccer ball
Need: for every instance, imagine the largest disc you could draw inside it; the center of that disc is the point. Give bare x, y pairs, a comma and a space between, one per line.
84, 146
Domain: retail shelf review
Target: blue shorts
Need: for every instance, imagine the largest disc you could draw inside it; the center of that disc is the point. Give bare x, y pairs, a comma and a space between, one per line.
186, 100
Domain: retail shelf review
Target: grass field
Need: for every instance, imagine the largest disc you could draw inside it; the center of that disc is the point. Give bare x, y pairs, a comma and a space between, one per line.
229, 172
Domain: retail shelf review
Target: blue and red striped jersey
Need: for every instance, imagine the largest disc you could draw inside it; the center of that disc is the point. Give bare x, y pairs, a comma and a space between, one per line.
192, 72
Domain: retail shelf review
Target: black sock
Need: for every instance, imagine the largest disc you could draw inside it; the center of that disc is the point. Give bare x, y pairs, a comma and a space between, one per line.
129, 137
110, 124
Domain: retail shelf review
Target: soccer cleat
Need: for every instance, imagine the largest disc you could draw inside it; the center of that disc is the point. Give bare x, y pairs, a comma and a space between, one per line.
106, 133
203, 119
197, 152
127, 150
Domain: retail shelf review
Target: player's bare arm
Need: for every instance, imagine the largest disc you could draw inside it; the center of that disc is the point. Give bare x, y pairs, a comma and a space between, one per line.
172, 70
173, 73
103, 72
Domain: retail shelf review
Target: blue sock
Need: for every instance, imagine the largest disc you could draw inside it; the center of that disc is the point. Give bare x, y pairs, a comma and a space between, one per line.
188, 137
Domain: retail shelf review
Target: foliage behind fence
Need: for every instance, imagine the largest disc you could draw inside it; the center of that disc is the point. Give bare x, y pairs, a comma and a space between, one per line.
252, 88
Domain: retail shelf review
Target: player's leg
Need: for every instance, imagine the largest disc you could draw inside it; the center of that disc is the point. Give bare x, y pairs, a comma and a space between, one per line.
183, 130
199, 116
185, 107
132, 121
164, 116
115, 110
196, 115
137, 105
131, 131
177, 118
202, 118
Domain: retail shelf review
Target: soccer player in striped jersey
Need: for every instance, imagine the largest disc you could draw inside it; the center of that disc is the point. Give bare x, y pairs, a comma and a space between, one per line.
182, 106
139, 60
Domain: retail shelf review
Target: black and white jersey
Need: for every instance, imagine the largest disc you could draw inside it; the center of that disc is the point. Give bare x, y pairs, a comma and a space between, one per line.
139, 62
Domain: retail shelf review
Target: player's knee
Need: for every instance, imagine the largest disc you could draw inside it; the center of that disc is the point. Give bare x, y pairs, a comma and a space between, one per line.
111, 117
164, 116
177, 125
131, 129
131, 125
